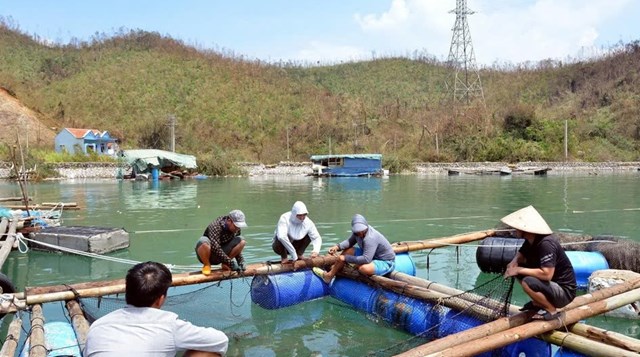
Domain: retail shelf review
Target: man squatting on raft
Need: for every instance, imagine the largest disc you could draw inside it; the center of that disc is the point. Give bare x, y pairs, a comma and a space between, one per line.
541, 265
143, 329
293, 234
373, 254
222, 242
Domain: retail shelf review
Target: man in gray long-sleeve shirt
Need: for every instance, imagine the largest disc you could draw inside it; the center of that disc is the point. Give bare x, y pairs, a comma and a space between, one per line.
373, 254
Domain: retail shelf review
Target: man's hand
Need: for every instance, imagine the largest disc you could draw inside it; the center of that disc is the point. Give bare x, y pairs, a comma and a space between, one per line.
512, 270
314, 255
225, 267
333, 250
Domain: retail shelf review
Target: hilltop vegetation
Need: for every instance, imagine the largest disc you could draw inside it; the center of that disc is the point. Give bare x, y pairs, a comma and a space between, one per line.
230, 108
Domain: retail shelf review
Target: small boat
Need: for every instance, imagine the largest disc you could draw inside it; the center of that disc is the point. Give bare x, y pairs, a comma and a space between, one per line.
349, 165
502, 171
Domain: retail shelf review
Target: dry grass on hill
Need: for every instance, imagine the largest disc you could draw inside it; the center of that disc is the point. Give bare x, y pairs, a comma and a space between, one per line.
18, 121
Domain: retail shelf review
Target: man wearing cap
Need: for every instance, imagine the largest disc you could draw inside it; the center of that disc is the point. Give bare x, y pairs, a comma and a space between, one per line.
294, 232
373, 254
541, 265
222, 242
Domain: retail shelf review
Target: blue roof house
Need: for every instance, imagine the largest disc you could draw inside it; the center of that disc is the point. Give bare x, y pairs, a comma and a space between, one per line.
74, 140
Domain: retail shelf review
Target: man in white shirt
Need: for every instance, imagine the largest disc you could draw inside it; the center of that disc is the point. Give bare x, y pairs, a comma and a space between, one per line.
143, 329
293, 234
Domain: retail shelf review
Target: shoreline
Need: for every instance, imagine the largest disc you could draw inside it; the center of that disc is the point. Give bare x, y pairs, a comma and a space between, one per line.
79, 170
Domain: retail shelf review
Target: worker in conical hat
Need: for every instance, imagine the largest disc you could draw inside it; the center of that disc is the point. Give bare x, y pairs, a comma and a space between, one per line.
541, 265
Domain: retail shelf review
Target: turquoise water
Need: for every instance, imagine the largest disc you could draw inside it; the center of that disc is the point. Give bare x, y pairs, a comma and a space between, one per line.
165, 218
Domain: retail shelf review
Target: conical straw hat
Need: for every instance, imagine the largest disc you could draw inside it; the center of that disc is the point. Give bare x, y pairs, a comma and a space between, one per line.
528, 220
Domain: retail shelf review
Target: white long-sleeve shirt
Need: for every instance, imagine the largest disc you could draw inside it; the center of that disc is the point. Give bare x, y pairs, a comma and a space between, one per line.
290, 228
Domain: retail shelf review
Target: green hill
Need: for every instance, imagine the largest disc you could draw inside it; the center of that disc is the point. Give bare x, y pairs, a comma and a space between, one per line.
230, 108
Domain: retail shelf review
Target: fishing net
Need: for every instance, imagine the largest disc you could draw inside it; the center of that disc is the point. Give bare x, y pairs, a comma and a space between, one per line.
390, 323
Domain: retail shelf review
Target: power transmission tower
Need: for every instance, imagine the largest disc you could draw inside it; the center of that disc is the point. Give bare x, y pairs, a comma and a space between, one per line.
464, 84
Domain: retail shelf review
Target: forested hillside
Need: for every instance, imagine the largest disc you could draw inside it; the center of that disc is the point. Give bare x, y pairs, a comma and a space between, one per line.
233, 109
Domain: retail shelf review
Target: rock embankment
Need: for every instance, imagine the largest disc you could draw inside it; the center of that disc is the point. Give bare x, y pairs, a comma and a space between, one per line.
80, 170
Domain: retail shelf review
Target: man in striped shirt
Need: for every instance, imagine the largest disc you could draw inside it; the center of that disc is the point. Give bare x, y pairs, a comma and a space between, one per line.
222, 242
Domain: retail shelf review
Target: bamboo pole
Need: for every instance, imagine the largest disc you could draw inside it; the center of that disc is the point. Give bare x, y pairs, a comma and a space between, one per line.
402, 247
92, 289
41, 295
4, 223
534, 328
37, 347
13, 337
54, 204
587, 346
609, 337
519, 319
13, 199
80, 323
8, 243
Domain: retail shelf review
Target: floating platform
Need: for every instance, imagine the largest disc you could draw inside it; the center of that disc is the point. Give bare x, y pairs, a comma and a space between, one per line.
96, 240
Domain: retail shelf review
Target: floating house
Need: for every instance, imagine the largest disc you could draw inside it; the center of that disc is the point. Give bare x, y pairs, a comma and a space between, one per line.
72, 140
349, 165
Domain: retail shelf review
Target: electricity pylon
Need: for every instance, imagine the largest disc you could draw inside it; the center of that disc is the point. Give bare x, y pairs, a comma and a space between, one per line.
464, 85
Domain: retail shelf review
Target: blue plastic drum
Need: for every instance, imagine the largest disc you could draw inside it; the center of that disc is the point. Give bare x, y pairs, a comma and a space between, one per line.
286, 289
585, 263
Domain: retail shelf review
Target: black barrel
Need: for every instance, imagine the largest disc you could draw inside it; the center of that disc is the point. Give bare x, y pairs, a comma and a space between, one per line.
494, 253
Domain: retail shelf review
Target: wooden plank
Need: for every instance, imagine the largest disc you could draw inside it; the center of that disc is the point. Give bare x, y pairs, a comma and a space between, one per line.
13, 337
36, 339
79, 322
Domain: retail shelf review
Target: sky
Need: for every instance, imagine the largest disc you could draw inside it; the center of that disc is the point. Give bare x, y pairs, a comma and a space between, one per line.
334, 31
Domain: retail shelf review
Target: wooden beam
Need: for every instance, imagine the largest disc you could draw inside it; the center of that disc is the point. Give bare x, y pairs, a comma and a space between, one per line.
79, 322
13, 337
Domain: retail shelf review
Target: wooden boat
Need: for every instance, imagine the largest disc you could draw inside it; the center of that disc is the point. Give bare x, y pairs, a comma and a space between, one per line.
502, 171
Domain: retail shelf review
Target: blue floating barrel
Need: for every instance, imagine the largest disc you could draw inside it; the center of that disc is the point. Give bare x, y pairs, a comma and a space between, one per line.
455, 321
404, 264
155, 173
494, 253
585, 263
286, 289
531, 347
60, 340
565, 352
359, 295
414, 316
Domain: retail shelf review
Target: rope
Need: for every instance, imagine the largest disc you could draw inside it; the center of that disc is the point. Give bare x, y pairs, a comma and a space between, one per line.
22, 242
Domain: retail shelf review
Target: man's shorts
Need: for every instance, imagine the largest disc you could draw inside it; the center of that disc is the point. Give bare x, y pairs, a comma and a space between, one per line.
227, 248
551, 290
382, 267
